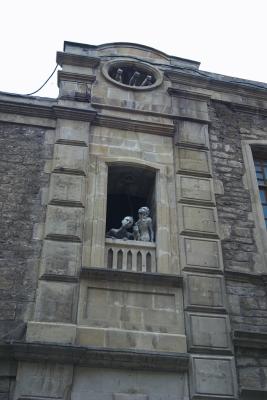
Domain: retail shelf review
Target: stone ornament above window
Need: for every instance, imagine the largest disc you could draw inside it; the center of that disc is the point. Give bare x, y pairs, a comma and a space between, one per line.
132, 74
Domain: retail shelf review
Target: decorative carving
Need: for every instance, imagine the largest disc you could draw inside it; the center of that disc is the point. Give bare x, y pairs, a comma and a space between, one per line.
143, 228
122, 232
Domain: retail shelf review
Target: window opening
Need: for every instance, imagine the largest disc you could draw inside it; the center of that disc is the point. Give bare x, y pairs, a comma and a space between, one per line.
261, 174
129, 189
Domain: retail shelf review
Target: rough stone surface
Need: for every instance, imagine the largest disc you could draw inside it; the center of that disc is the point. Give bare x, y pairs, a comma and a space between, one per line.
22, 159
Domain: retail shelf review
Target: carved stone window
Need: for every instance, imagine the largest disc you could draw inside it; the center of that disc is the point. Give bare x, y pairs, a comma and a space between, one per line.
133, 75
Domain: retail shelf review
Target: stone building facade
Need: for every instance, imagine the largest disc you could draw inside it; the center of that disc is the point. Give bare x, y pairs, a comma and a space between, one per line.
85, 316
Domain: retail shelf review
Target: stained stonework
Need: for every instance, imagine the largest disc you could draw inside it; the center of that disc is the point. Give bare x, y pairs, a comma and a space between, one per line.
181, 317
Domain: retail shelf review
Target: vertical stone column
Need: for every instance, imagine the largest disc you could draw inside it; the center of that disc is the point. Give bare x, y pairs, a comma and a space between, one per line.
63, 233
207, 322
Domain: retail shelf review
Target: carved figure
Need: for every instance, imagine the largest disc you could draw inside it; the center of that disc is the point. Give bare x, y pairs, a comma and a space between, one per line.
118, 76
143, 229
134, 78
122, 232
147, 81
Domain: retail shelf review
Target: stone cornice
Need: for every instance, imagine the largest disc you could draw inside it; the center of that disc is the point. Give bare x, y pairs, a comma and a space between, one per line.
44, 111
249, 339
78, 60
95, 357
188, 94
134, 125
217, 83
73, 77
247, 277
255, 394
134, 277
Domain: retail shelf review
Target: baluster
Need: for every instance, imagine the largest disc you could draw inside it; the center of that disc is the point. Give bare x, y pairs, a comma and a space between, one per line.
129, 260
134, 260
110, 258
148, 262
139, 262
119, 259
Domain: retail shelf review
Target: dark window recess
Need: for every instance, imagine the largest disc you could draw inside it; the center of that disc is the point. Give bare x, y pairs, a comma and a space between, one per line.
261, 173
129, 188
131, 76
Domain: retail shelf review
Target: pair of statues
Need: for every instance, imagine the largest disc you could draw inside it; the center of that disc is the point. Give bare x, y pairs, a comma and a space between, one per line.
142, 229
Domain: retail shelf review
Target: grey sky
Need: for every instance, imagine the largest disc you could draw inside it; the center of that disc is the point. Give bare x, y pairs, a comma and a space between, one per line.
226, 36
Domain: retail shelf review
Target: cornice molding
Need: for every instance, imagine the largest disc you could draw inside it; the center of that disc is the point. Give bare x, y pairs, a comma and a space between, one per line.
250, 339
73, 77
74, 113
52, 112
247, 277
96, 357
188, 94
215, 84
134, 125
255, 394
134, 277
78, 60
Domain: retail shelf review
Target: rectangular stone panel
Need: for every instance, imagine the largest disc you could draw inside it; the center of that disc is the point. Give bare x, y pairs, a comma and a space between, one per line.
192, 133
199, 253
208, 332
70, 158
67, 189
43, 380
55, 302
212, 376
131, 309
129, 396
72, 131
104, 383
204, 291
195, 190
193, 161
199, 221
60, 258
64, 222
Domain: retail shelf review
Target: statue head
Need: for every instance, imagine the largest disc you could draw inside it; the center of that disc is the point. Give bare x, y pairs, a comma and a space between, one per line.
144, 211
127, 222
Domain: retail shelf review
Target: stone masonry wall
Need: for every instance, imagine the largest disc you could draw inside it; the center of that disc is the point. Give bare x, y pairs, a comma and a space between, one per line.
247, 299
227, 130
23, 154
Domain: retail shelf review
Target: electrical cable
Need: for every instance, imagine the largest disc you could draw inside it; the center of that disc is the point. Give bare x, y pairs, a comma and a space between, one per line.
29, 94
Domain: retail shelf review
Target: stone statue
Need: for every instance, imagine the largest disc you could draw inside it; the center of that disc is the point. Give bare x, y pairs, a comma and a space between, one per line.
118, 76
143, 229
134, 78
147, 81
122, 232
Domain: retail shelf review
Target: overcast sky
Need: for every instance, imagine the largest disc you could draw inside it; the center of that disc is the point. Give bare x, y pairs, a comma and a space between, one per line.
226, 36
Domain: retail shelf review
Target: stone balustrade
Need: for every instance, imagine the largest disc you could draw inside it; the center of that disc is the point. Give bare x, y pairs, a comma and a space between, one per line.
130, 255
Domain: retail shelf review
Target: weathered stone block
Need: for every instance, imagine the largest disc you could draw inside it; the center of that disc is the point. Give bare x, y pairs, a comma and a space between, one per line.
213, 377
194, 161
50, 332
156, 385
65, 222
43, 380
200, 253
72, 131
70, 158
208, 331
195, 189
192, 133
129, 396
55, 302
67, 189
204, 291
198, 220
60, 258
131, 309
